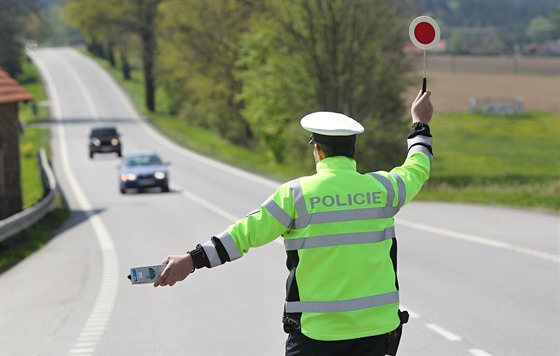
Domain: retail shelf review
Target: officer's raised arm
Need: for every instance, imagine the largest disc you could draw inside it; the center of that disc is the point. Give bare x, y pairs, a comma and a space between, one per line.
415, 171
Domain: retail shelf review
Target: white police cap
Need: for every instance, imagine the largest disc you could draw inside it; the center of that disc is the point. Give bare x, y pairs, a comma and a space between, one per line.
331, 124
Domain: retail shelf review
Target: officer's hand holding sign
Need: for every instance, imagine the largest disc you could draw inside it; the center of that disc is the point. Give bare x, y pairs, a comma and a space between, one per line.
422, 108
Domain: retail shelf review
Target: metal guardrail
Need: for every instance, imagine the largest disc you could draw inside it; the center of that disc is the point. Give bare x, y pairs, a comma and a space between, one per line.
22, 220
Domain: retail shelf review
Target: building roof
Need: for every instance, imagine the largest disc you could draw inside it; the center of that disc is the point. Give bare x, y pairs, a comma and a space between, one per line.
11, 91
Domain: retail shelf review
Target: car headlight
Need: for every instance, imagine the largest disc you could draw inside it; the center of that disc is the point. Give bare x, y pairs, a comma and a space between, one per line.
128, 176
114, 142
159, 175
96, 142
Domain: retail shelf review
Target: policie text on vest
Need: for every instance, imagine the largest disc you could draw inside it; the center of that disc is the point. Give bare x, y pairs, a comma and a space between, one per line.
347, 200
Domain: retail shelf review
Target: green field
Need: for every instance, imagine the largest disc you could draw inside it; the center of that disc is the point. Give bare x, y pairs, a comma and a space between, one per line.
498, 160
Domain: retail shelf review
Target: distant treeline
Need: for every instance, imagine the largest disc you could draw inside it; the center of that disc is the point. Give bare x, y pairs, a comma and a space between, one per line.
498, 26
249, 69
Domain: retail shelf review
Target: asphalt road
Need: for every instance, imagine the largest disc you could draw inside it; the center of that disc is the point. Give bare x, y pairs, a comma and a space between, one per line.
477, 280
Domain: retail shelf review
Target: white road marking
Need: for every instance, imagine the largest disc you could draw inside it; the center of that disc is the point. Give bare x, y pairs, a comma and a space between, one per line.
411, 314
479, 240
205, 203
232, 218
87, 338
109, 285
87, 351
92, 334
84, 344
441, 331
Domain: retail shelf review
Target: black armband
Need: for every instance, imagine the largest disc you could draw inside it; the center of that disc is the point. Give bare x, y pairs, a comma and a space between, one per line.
199, 257
419, 128
420, 136
222, 253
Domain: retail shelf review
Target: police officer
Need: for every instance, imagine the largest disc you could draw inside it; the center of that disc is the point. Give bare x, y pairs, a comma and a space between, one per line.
342, 293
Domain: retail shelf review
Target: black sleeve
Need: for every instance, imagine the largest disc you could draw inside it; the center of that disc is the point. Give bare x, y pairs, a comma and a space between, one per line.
420, 129
222, 253
199, 257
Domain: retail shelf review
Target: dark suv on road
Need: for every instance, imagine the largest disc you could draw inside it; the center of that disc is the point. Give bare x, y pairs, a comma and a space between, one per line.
104, 140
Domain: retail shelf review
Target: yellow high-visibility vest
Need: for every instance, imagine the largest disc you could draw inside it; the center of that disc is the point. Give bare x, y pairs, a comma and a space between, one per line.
339, 234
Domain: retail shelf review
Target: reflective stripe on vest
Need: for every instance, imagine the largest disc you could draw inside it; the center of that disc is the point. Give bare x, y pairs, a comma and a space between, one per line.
275, 210
392, 210
339, 239
228, 243
297, 194
423, 149
212, 253
401, 188
424, 140
305, 220
326, 216
387, 185
341, 305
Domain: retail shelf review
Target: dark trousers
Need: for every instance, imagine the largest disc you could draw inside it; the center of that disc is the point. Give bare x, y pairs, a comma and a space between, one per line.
300, 345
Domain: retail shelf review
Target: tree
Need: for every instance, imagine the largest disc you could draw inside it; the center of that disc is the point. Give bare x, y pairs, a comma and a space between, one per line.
199, 43
275, 90
144, 24
341, 56
456, 43
11, 24
509, 18
113, 22
540, 30
555, 19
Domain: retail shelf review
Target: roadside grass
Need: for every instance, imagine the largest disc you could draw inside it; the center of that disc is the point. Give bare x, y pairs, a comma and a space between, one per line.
209, 144
493, 160
33, 137
496, 160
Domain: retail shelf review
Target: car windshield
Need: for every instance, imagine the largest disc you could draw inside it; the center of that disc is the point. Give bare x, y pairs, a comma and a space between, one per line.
104, 132
142, 160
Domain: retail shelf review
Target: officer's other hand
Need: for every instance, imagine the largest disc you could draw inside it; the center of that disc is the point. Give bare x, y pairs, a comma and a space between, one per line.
422, 109
178, 267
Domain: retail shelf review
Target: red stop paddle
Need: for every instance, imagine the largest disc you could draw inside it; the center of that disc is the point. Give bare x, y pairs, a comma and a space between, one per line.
424, 34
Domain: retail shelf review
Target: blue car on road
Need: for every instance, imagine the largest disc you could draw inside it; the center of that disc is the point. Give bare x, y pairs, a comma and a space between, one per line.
143, 169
